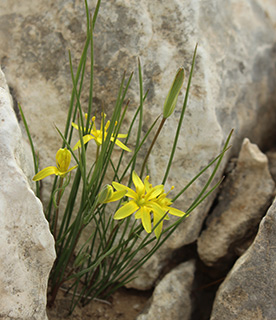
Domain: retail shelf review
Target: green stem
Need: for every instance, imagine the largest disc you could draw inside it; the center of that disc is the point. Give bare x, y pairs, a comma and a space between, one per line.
97, 153
57, 209
151, 146
65, 278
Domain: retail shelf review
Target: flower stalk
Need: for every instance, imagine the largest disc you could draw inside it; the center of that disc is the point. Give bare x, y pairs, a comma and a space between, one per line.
57, 208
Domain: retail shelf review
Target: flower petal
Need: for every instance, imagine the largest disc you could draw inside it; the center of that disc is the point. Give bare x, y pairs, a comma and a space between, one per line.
140, 188
155, 192
121, 145
138, 214
158, 229
148, 186
45, 173
119, 187
75, 126
122, 135
126, 210
146, 219
117, 195
71, 169
176, 212
63, 159
85, 139
155, 207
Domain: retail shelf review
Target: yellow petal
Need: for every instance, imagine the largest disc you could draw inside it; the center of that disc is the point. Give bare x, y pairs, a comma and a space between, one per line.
138, 214
126, 210
75, 126
154, 192
119, 187
121, 145
140, 188
146, 220
121, 135
158, 229
63, 159
155, 207
117, 195
107, 125
71, 169
85, 139
45, 173
148, 186
176, 212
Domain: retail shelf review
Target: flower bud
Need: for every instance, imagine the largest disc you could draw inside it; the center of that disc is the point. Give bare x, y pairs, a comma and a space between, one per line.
172, 96
105, 194
63, 159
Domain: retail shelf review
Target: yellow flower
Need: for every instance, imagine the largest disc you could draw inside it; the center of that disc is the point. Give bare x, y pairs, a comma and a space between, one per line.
63, 159
144, 201
97, 135
165, 204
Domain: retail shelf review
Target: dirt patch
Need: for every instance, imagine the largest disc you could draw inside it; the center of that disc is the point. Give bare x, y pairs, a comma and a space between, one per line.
125, 304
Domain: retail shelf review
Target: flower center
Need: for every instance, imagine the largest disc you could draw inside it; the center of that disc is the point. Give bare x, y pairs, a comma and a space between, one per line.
141, 201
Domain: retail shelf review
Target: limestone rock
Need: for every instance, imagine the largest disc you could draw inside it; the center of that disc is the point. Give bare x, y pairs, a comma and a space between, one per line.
233, 81
26, 246
245, 196
171, 299
249, 290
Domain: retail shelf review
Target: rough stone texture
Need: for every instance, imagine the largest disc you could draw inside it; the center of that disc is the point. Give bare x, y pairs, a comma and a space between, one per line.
233, 85
249, 290
26, 245
271, 155
171, 299
244, 199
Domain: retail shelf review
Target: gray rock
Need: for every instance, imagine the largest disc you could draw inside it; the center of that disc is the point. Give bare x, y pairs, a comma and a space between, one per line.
234, 80
249, 290
171, 299
244, 198
26, 245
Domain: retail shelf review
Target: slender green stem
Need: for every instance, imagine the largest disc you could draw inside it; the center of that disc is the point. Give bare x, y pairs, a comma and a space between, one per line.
35, 157
59, 195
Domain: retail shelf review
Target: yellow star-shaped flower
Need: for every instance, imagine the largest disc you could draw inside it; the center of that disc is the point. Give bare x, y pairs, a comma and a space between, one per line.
63, 159
144, 201
98, 135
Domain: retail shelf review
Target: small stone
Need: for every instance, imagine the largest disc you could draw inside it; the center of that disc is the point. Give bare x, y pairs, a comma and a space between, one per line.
171, 298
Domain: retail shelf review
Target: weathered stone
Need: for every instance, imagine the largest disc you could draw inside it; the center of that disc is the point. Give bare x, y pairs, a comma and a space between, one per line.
171, 299
233, 84
249, 290
271, 155
26, 245
244, 199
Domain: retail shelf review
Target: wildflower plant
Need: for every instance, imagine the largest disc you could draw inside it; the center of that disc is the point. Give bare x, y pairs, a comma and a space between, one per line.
105, 261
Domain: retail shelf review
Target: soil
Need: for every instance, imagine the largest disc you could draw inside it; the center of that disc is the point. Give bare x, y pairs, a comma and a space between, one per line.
125, 304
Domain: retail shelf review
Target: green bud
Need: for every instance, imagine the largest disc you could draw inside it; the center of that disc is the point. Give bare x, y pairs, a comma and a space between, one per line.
172, 96
105, 194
